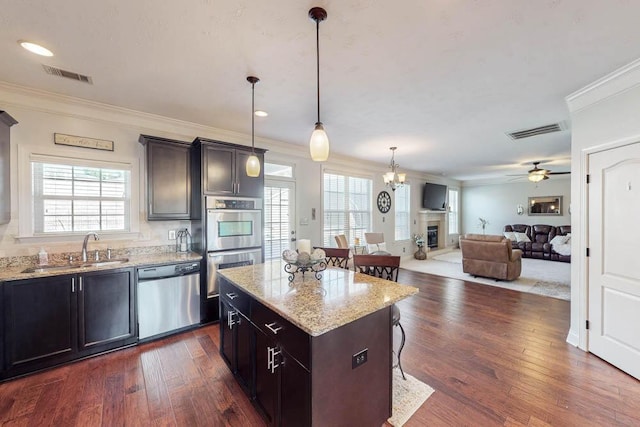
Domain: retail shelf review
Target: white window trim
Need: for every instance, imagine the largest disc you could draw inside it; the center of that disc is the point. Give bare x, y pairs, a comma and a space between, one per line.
347, 173
408, 217
25, 208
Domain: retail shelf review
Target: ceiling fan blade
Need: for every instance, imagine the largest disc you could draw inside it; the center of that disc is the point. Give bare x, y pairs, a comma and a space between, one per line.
558, 173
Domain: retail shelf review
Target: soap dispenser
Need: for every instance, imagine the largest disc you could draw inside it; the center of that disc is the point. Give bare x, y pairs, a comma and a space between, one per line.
43, 257
183, 241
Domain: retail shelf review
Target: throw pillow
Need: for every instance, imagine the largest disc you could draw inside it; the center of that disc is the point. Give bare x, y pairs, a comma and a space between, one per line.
510, 235
560, 240
522, 237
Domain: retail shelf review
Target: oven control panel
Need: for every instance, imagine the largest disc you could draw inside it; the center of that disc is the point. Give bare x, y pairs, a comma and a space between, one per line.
232, 203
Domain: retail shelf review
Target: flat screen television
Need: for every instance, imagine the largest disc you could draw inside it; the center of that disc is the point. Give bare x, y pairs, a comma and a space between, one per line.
434, 197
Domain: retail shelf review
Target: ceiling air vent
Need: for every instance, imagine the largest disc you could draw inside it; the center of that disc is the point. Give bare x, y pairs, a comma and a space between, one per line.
68, 74
521, 134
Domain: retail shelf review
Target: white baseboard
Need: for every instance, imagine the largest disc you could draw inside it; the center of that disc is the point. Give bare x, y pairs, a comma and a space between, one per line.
573, 338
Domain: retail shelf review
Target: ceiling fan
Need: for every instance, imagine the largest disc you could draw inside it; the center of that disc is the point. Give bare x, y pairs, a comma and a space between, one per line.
538, 174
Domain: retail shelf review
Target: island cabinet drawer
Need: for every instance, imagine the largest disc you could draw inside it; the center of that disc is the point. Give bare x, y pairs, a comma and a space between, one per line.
289, 337
235, 297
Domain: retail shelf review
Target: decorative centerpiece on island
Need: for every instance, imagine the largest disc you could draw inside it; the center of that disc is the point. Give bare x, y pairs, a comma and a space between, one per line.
418, 239
301, 262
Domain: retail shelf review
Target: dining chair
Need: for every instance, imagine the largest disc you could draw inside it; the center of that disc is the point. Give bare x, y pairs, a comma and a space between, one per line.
341, 241
375, 242
337, 257
385, 267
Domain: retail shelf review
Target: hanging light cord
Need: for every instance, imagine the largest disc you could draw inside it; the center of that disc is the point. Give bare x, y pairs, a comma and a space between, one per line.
253, 96
318, 65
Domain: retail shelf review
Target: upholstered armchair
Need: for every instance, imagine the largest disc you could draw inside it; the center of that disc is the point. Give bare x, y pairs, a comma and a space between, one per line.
490, 256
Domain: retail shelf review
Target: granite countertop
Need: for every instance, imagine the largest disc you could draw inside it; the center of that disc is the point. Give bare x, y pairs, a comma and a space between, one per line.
17, 273
317, 306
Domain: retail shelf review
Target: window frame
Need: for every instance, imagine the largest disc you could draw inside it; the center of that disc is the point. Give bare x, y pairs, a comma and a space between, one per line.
330, 242
406, 189
26, 155
451, 212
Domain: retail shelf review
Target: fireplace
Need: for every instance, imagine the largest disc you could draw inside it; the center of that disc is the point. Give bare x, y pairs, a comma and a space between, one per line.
432, 236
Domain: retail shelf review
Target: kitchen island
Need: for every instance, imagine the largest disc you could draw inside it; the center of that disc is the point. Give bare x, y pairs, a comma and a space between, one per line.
308, 351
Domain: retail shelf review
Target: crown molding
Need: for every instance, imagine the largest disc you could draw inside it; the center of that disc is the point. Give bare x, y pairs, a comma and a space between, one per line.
614, 83
12, 95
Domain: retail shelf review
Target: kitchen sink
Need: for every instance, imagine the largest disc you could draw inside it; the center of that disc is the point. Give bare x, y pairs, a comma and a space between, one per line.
105, 262
45, 268
102, 263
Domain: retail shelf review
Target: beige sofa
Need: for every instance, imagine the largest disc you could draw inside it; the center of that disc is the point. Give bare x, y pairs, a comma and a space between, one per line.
490, 256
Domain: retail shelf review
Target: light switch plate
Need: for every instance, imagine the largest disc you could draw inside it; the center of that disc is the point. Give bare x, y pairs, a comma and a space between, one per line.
172, 234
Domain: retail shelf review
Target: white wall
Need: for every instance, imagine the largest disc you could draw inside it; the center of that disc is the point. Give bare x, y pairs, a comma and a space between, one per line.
498, 203
41, 114
603, 115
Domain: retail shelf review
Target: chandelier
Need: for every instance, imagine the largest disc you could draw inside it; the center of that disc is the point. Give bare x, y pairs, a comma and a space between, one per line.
392, 178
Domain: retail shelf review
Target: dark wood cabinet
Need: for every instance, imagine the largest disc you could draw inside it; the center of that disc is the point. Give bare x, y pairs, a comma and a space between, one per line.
40, 322
6, 121
224, 169
168, 178
304, 380
278, 384
106, 309
55, 319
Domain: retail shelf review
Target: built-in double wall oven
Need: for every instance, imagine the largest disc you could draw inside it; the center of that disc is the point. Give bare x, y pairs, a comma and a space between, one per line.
233, 234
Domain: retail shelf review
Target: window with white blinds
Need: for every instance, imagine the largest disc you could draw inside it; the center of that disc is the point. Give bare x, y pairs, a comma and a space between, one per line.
347, 207
70, 197
454, 207
403, 214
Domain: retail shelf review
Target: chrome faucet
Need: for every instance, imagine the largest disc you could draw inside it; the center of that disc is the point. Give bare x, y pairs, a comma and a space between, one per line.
84, 244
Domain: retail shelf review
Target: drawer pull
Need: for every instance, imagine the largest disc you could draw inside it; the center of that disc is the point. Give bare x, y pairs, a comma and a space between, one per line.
230, 320
232, 296
273, 327
272, 355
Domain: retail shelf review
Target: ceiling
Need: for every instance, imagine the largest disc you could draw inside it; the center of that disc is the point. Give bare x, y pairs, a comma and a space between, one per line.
443, 80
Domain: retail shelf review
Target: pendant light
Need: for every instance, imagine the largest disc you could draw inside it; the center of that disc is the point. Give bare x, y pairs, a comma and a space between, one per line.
253, 163
319, 143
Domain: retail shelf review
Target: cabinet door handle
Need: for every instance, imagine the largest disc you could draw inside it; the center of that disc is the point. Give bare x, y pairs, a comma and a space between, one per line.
73, 284
80, 284
272, 355
230, 320
237, 188
273, 327
232, 295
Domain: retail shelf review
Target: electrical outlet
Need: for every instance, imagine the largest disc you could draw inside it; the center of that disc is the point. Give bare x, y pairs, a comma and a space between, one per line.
172, 234
359, 358
403, 250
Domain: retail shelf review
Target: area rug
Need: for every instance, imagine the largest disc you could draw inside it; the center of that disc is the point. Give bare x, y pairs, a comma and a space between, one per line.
548, 278
408, 396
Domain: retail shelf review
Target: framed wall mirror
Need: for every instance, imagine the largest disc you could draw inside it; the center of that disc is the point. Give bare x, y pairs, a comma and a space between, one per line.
545, 205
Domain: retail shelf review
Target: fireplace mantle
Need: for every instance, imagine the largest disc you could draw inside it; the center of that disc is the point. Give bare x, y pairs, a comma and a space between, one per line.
430, 218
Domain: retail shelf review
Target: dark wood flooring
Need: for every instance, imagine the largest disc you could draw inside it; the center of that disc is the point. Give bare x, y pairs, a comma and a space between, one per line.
493, 356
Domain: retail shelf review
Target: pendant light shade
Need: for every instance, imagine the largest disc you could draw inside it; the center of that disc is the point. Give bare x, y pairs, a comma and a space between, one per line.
319, 143
253, 163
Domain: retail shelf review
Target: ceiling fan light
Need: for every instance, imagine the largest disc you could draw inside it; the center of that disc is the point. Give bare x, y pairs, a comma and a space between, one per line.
536, 177
253, 166
319, 144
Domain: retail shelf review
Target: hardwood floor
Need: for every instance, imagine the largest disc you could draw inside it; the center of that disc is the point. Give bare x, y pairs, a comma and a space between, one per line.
493, 356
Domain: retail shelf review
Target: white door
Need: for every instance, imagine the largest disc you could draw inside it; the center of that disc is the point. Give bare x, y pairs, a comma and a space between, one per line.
279, 217
614, 263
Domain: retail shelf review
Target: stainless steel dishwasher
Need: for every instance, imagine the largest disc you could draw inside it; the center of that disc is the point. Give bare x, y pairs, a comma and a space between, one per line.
168, 298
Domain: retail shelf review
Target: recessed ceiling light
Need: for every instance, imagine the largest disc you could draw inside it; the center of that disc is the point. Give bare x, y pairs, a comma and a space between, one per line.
261, 113
35, 48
